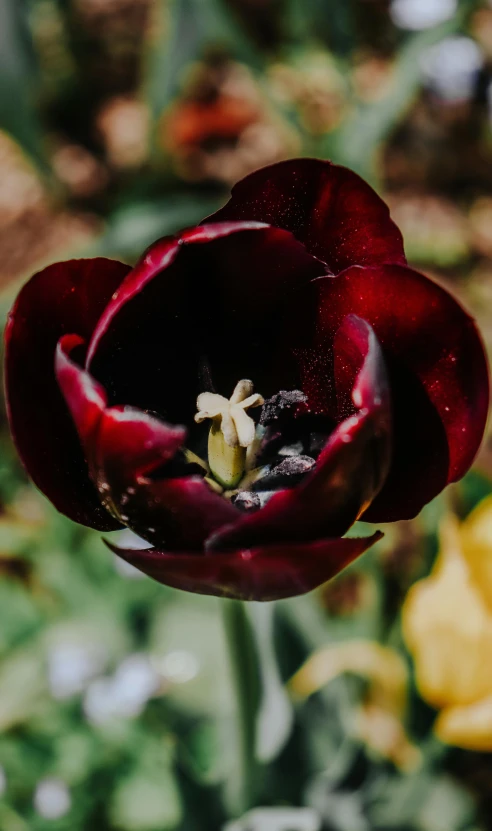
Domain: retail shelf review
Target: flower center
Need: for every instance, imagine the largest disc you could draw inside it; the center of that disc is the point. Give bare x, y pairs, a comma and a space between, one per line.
232, 431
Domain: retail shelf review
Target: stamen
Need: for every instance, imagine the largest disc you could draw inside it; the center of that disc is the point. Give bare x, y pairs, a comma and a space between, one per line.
283, 400
288, 473
247, 501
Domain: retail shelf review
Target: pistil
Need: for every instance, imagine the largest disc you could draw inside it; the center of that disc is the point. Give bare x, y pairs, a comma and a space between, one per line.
231, 433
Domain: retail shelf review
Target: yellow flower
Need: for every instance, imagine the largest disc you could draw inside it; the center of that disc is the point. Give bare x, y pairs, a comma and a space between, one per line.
380, 665
469, 727
383, 732
447, 624
476, 543
378, 720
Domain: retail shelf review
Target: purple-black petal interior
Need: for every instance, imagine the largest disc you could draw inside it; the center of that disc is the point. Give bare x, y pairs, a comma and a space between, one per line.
217, 303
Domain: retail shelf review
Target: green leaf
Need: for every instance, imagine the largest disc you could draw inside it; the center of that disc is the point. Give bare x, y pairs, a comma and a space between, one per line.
141, 803
421, 801
316, 20
472, 489
188, 642
244, 677
342, 810
448, 807
357, 141
22, 686
135, 226
275, 716
18, 75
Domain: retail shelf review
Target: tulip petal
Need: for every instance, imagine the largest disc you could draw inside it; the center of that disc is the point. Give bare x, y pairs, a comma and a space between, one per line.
352, 466
179, 514
330, 209
126, 443
437, 370
124, 446
211, 296
468, 726
86, 399
65, 297
156, 260
269, 572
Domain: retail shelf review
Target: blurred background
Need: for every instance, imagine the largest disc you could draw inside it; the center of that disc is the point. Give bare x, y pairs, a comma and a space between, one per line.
125, 120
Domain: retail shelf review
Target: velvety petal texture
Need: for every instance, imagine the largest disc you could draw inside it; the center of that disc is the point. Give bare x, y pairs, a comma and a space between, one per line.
330, 209
437, 368
269, 572
297, 287
65, 298
212, 298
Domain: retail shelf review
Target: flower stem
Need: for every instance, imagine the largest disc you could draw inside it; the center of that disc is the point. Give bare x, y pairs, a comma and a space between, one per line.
245, 677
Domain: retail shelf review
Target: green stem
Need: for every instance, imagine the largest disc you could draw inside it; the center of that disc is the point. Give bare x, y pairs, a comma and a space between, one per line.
244, 671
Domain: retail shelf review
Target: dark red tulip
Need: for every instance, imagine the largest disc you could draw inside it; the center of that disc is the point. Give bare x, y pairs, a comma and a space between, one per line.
373, 383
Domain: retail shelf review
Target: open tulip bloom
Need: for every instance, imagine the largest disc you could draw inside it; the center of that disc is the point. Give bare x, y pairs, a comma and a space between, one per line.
250, 389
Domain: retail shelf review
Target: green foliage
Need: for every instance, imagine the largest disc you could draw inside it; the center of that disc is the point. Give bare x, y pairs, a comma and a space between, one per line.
19, 79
